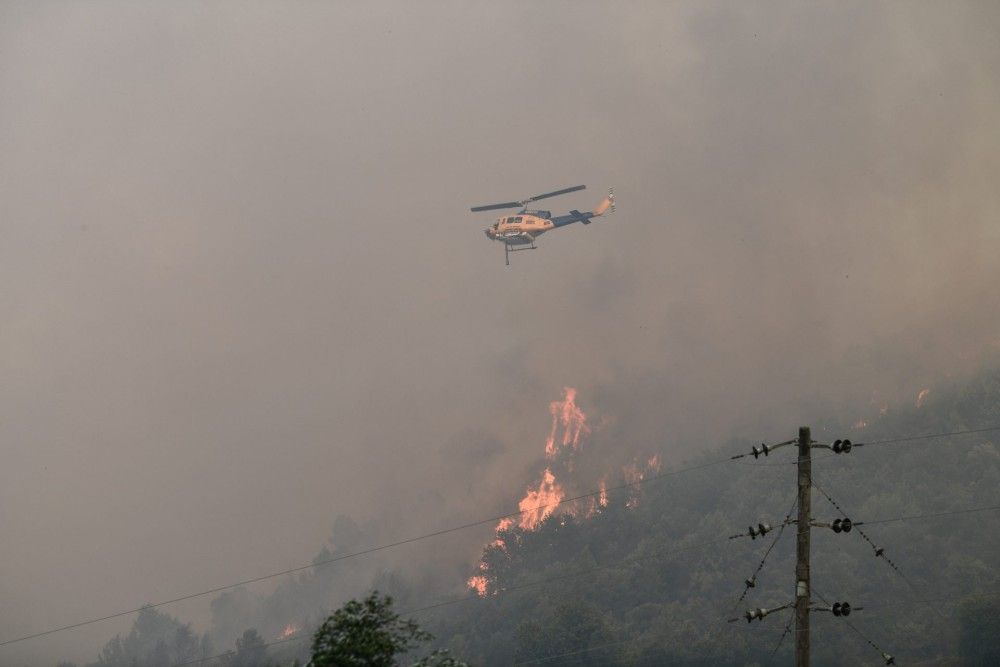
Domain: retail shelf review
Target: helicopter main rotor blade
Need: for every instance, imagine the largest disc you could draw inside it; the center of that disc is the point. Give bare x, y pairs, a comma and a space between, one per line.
557, 192
493, 207
516, 204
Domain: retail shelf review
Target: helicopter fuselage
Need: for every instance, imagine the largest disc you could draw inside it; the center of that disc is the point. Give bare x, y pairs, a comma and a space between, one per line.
520, 229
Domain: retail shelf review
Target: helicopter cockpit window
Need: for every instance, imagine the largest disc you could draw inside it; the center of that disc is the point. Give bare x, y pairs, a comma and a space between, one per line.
516, 219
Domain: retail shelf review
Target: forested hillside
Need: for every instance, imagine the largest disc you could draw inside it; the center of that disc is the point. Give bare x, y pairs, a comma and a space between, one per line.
651, 577
648, 581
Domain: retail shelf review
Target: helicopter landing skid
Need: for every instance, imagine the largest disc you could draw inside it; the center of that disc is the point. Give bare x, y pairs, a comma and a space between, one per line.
507, 250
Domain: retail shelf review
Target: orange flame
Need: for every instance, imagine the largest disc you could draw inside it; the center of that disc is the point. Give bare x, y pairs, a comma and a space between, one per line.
635, 473
478, 583
922, 397
571, 418
539, 503
288, 631
569, 427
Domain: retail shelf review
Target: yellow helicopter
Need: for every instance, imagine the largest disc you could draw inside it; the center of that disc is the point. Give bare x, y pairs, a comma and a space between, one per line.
518, 232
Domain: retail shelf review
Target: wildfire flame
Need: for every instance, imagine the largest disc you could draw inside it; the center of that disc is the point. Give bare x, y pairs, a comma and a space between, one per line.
541, 500
478, 583
571, 418
538, 504
922, 397
288, 631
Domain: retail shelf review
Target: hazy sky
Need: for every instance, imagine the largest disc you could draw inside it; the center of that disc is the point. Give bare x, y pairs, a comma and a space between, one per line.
241, 290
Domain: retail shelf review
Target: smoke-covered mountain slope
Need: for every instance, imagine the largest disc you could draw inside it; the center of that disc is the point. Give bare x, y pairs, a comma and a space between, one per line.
650, 578
646, 574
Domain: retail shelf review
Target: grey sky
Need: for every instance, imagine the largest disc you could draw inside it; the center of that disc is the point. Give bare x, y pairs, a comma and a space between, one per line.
241, 291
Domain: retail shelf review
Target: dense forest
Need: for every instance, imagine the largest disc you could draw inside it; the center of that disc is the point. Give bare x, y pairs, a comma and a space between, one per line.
652, 576
656, 583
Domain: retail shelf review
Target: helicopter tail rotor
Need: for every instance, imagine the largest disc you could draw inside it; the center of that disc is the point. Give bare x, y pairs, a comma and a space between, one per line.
606, 204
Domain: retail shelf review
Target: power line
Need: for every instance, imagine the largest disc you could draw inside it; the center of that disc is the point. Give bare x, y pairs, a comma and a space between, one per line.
930, 516
504, 591
365, 552
879, 551
752, 581
788, 628
870, 443
929, 436
889, 660
572, 575
446, 531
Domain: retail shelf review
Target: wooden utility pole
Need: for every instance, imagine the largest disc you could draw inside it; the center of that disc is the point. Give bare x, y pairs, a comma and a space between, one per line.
802, 587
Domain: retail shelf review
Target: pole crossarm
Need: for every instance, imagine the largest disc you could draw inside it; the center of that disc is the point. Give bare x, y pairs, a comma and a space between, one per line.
803, 603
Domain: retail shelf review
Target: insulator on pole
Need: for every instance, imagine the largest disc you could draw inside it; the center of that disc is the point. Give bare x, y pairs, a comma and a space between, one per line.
842, 525
841, 609
760, 530
889, 660
841, 446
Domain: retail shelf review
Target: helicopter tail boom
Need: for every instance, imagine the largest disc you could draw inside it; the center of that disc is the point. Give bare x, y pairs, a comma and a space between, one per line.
605, 205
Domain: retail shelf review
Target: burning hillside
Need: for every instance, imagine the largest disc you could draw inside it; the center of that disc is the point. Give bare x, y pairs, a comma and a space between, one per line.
557, 481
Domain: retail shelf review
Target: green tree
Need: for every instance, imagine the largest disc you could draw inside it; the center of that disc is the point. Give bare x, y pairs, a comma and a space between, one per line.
370, 634
251, 650
155, 640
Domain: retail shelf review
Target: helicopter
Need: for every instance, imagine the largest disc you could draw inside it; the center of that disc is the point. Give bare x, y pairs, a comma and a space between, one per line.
518, 232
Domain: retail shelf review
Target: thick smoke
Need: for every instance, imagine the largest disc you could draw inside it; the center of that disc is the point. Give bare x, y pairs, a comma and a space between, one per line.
243, 293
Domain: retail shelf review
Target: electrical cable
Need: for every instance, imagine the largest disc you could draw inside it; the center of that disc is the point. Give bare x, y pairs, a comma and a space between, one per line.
929, 516
550, 580
871, 443
364, 552
453, 529
506, 591
788, 628
891, 441
885, 656
752, 581
879, 551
